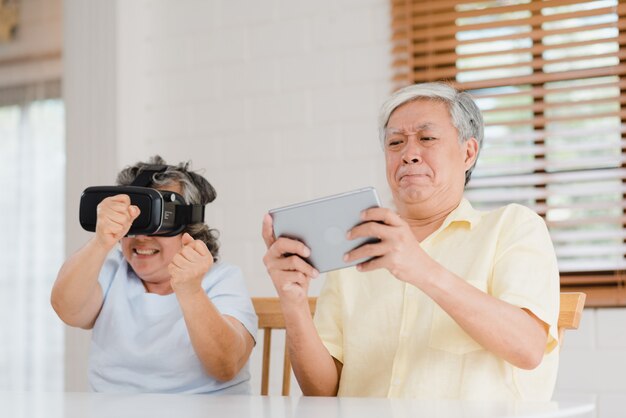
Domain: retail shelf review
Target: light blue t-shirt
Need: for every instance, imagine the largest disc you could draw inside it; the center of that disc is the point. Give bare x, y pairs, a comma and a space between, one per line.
140, 341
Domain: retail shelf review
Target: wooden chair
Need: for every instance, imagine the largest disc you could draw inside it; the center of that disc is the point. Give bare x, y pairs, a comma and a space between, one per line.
271, 317
570, 312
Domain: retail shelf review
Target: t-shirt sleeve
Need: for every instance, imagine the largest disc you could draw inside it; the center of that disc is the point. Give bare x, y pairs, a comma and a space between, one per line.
227, 290
525, 271
113, 262
328, 316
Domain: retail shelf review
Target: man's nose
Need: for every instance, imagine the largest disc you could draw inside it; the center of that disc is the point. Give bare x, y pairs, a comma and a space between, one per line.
411, 154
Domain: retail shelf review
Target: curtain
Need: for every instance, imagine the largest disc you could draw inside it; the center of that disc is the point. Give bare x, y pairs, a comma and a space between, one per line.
32, 170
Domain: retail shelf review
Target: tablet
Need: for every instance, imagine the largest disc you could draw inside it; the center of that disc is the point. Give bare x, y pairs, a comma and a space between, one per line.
322, 225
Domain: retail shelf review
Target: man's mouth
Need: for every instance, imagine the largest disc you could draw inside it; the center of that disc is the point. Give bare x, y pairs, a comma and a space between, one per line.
409, 176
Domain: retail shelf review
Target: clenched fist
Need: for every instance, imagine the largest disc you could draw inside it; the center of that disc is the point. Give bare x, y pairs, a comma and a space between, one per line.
115, 215
189, 266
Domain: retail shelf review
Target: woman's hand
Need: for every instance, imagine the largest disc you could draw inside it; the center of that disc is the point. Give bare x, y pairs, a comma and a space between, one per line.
190, 265
284, 261
115, 215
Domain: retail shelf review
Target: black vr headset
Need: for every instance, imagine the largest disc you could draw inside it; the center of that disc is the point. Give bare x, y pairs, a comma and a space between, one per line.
163, 213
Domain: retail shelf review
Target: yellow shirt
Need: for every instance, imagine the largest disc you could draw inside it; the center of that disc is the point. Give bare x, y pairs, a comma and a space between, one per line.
394, 341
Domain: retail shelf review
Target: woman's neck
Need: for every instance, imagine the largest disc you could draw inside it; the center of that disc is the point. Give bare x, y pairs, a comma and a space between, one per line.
162, 288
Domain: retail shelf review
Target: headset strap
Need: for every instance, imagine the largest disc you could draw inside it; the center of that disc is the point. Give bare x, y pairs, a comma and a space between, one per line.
145, 176
189, 214
185, 214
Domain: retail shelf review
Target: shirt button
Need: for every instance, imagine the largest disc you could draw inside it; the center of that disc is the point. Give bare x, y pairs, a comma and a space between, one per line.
396, 382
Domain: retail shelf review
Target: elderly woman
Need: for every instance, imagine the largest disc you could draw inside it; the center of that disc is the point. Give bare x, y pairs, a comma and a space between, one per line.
166, 315
455, 304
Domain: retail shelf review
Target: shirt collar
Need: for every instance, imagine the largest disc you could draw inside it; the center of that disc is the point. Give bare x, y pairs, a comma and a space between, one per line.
463, 213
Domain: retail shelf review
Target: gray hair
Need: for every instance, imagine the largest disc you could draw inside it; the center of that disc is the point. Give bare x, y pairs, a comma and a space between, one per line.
465, 114
195, 189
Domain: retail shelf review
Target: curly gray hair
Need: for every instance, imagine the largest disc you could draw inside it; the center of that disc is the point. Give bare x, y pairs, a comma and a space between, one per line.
195, 189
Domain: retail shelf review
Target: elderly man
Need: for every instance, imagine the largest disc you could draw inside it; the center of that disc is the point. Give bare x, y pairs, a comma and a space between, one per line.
456, 303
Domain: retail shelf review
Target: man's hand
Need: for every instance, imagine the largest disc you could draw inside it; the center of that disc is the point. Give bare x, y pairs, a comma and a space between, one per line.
398, 250
189, 266
284, 263
316, 370
115, 215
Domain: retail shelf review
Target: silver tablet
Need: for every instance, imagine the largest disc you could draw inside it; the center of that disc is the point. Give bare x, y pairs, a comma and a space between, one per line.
322, 224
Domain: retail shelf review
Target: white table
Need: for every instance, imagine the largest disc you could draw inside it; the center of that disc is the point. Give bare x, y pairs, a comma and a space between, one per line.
93, 405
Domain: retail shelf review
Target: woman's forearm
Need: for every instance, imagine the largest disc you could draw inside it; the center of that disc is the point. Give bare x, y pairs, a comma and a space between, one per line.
76, 295
221, 342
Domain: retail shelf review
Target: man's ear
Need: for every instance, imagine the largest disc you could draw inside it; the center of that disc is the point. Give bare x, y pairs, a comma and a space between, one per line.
471, 152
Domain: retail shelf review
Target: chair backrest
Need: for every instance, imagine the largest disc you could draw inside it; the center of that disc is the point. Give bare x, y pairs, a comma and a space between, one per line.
271, 317
570, 312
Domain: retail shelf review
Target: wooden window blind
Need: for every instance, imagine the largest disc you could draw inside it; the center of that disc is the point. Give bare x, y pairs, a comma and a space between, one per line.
548, 76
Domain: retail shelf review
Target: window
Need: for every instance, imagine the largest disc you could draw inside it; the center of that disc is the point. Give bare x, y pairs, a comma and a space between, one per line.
32, 167
548, 78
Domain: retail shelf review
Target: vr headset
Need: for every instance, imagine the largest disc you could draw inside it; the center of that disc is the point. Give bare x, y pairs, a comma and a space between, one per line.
162, 213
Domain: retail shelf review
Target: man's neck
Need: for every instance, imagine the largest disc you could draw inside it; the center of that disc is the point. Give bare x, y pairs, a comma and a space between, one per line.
426, 219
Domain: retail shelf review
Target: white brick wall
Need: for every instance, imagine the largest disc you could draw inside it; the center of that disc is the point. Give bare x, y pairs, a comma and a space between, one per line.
593, 361
276, 100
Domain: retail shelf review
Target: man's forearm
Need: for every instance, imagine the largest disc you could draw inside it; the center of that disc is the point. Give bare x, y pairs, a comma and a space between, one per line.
313, 365
506, 330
